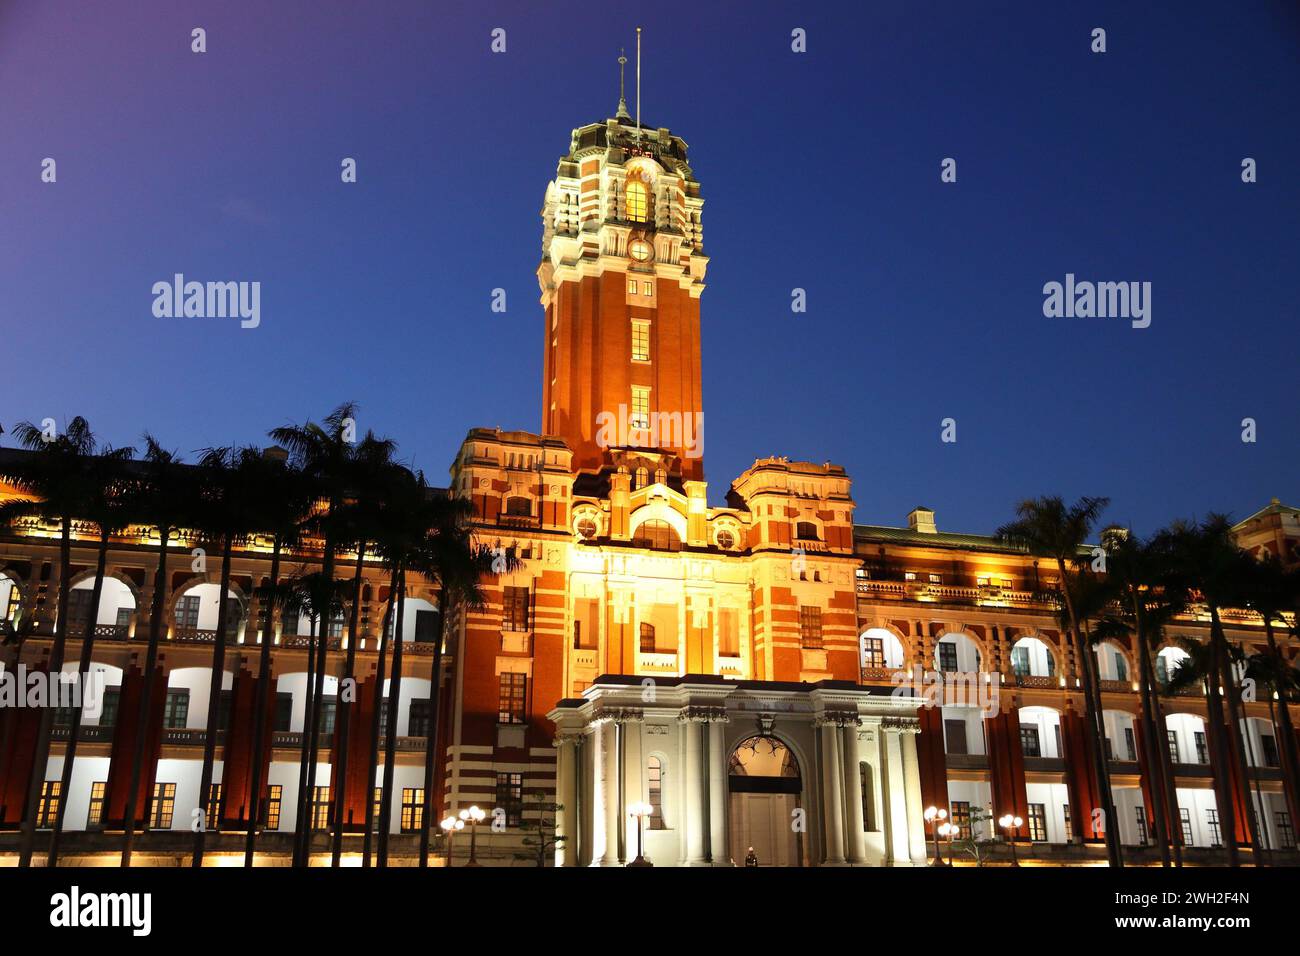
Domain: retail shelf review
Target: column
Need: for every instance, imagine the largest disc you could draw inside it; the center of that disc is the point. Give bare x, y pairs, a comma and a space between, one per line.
694, 800
717, 783
856, 847
566, 817
896, 792
832, 794
608, 750
912, 789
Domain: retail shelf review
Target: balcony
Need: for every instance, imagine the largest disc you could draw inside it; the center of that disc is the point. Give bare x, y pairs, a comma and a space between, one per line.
1043, 682
1116, 686
658, 662
101, 632
878, 675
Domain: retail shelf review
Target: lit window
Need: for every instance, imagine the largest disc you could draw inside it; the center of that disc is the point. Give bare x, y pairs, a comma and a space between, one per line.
638, 201
640, 341
512, 691
631, 286
640, 417
162, 806
909, 575
810, 626
936, 579
982, 582
657, 534
647, 288
726, 540
655, 792
412, 809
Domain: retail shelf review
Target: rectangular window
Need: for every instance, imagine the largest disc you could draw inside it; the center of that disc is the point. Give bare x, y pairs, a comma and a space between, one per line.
176, 710
647, 288
95, 818
1121, 668
1269, 745
640, 341
1141, 814
936, 579
909, 575
1037, 823
273, 806
961, 818
810, 626
1185, 817
1173, 745
283, 712
1285, 832
335, 628
728, 632
162, 806
1029, 743
1211, 824
510, 797
48, 809
418, 724
328, 710
954, 732
108, 711
1130, 743
631, 286
639, 416
1069, 823
512, 694
514, 613
947, 652
1020, 661
654, 792
320, 808
412, 809
214, 806
187, 611
873, 652
1202, 751
378, 802
224, 706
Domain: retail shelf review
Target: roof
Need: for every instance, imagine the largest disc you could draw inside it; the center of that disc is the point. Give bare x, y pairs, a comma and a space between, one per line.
1274, 507
933, 539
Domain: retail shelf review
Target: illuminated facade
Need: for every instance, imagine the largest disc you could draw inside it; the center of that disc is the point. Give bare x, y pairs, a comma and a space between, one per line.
733, 668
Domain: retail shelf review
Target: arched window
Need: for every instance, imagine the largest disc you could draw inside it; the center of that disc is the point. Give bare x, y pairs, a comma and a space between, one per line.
647, 638
654, 792
518, 506
642, 477
657, 534
638, 201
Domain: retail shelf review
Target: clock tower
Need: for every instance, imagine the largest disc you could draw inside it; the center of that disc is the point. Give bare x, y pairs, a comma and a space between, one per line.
621, 276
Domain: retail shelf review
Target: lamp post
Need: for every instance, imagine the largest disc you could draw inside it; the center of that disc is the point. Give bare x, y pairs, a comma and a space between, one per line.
449, 827
473, 816
1010, 822
640, 811
949, 832
934, 816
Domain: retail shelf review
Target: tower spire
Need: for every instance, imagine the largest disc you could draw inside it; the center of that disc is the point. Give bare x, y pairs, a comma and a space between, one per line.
638, 86
622, 100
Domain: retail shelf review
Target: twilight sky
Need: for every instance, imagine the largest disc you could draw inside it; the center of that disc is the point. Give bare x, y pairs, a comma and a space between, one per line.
819, 170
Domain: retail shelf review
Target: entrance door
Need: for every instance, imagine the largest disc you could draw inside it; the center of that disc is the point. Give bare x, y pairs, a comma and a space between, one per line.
764, 784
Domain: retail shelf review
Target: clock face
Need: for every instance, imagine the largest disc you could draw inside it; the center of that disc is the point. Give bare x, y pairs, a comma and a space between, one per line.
639, 249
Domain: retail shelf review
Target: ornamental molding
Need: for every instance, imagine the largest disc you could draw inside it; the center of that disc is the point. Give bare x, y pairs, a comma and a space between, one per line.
838, 718
902, 725
703, 715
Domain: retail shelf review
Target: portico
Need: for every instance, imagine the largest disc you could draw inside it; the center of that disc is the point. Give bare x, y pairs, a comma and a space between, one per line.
822, 774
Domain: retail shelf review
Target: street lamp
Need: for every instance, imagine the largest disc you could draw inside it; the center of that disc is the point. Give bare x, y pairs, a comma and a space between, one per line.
934, 816
949, 832
1010, 822
473, 816
640, 811
450, 826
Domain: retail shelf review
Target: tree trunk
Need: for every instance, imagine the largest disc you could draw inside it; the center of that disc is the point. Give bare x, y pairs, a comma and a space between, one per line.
431, 744
305, 798
313, 759
215, 680
1161, 748
259, 714
1154, 767
83, 671
36, 780
1222, 778
344, 711
390, 743
374, 720
1235, 749
1286, 734
146, 692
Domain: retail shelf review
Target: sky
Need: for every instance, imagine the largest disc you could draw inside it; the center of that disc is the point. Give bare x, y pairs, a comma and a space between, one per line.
820, 170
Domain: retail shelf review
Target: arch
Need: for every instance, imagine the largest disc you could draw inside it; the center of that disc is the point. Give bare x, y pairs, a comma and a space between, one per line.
1186, 738
969, 654
661, 509
1113, 661
1261, 742
657, 534
759, 759
637, 200
1031, 656
656, 769
199, 618
1121, 734
116, 589
881, 648
1040, 731
1168, 658
11, 595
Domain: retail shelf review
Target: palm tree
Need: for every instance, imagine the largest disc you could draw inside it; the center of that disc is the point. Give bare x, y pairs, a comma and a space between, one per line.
370, 470
1269, 589
1046, 527
1145, 602
57, 479
164, 498
104, 506
284, 501
1206, 560
228, 506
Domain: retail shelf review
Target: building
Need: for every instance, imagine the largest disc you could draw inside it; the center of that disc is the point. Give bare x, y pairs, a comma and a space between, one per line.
754, 674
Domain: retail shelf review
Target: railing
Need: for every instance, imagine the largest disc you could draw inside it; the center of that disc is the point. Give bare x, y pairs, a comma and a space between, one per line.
1046, 682
584, 657
878, 675
1117, 686
88, 733
954, 594
658, 661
